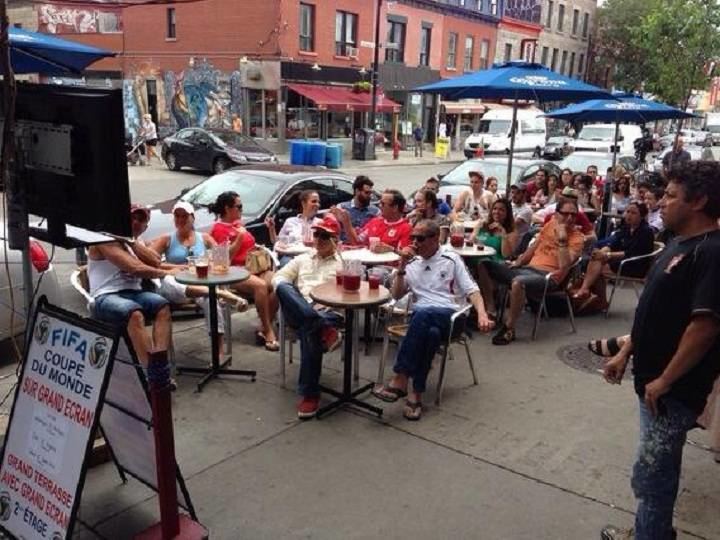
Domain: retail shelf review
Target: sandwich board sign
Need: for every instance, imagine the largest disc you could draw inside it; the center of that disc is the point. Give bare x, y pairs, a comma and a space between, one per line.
57, 407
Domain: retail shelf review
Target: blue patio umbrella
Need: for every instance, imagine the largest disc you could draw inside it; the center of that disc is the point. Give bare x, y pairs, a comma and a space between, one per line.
629, 109
516, 81
34, 52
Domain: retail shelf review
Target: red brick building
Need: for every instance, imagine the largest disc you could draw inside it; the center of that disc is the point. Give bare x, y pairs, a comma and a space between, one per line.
199, 63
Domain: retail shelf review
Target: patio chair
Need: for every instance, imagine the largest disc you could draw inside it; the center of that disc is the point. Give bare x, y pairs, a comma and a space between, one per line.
561, 292
457, 335
618, 278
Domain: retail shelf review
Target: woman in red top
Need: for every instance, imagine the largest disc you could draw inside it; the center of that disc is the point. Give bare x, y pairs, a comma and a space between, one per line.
229, 228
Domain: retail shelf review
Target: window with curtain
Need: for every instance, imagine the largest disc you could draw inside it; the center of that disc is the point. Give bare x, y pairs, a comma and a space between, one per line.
395, 48
425, 35
307, 24
469, 49
345, 33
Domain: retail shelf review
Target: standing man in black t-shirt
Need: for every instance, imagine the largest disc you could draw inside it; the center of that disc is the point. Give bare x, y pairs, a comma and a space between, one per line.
675, 344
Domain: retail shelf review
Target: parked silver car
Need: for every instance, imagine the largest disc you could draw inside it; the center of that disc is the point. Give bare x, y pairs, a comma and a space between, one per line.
12, 295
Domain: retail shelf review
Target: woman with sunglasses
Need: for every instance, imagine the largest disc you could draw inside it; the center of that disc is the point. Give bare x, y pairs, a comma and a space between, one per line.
229, 228
632, 239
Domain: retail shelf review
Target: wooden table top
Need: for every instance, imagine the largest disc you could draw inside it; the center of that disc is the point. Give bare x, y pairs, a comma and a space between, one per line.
233, 275
333, 295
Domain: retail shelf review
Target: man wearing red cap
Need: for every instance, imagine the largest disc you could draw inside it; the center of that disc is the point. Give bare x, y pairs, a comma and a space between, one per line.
317, 329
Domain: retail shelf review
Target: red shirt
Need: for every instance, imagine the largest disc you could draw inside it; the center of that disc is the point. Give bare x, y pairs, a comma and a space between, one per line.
581, 220
396, 234
222, 232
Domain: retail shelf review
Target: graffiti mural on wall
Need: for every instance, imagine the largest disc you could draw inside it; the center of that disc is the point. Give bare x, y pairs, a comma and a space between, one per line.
199, 95
61, 20
524, 10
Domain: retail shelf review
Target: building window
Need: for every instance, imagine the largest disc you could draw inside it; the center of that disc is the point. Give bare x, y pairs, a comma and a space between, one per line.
345, 33
553, 62
307, 24
452, 50
508, 52
469, 49
425, 35
581, 70
576, 17
484, 50
561, 17
586, 23
563, 62
571, 67
493, 7
395, 47
170, 33
544, 58
548, 21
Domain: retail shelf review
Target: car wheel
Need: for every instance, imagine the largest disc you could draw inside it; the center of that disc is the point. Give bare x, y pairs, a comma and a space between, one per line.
171, 162
221, 165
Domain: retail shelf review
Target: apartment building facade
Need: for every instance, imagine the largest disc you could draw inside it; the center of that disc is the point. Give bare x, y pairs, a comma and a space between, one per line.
565, 40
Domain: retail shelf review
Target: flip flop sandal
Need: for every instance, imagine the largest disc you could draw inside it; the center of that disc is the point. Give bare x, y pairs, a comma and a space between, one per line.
504, 337
389, 394
272, 346
412, 410
260, 338
604, 347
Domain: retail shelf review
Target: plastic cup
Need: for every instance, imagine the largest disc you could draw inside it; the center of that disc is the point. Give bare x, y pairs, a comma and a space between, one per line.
373, 241
339, 278
373, 281
191, 260
457, 240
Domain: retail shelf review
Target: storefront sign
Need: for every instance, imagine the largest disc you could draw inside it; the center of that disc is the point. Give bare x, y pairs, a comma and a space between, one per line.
56, 409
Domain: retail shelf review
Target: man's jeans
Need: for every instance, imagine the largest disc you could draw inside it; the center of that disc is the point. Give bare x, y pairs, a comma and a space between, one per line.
656, 474
308, 323
429, 327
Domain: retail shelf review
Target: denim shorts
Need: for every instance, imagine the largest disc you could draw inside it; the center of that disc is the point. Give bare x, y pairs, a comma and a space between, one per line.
532, 279
117, 307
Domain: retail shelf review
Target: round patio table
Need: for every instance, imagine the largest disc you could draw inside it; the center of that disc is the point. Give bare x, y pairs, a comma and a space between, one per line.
233, 275
332, 295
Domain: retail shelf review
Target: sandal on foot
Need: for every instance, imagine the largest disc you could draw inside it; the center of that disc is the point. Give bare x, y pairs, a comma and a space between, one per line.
260, 338
388, 394
412, 410
272, 346
581, 295
504, 336
240, 304
604, 347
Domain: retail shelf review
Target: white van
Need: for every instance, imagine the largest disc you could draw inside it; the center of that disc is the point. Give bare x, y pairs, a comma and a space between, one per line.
494, 132
601, 137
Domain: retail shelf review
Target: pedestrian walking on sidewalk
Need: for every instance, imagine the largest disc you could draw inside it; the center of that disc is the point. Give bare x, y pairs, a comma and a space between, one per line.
418, 136
675, 345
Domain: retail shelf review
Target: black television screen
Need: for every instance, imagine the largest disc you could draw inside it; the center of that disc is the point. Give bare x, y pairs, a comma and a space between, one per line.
95, 195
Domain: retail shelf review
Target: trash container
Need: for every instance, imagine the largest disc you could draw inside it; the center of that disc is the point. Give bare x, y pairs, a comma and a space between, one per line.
364, 144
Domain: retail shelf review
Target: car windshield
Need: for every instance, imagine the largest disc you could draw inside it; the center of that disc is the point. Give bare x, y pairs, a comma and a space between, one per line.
494, 127
597, 133
580, 163
498, 169
255, 190
231, 138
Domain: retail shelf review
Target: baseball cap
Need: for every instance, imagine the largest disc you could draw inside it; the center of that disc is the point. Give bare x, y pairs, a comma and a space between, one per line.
520, 187
140, 209
328, 224
186, 206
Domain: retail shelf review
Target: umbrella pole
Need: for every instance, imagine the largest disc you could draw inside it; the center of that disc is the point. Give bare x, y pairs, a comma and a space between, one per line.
607, 187
508, 180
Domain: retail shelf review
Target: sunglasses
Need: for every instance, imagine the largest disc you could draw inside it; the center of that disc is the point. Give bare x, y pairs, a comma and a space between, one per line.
322, 235
566, 214
420, 237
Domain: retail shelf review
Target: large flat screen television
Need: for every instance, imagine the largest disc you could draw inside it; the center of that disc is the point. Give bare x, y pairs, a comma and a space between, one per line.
94, 194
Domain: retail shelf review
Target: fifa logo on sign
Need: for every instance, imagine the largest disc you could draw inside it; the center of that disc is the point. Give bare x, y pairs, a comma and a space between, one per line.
42, 330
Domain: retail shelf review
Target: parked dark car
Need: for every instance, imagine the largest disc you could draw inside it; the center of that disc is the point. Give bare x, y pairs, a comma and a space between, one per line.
557, 148
264, 189
212, 150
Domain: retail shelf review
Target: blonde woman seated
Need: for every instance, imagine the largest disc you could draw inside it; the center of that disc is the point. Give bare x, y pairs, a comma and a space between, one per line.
177, 247
499, 233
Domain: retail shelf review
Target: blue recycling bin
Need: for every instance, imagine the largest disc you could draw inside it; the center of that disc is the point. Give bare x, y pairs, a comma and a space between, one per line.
317, 154
298, 151
334, 155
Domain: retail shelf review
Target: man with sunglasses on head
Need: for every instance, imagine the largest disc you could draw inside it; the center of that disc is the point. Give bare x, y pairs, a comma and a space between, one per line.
558, 246
441, 285
359, 207
316, 328
390, 227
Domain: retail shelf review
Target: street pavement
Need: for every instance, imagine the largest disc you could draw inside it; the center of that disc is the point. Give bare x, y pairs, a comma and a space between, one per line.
538, 450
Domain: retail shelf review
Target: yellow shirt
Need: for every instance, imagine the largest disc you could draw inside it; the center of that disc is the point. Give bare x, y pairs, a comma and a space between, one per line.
307, 271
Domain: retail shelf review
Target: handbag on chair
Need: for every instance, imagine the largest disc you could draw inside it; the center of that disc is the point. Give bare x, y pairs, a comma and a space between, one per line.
258, 261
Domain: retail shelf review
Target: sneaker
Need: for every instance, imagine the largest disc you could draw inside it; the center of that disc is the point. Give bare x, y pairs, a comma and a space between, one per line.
611, 532
505, 336
331, 338
308, 407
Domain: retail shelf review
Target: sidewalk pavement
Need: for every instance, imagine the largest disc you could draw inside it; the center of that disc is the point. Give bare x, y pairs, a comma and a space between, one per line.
538, 450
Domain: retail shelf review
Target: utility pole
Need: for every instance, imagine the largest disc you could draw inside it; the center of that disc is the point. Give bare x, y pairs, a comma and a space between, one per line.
376, 66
